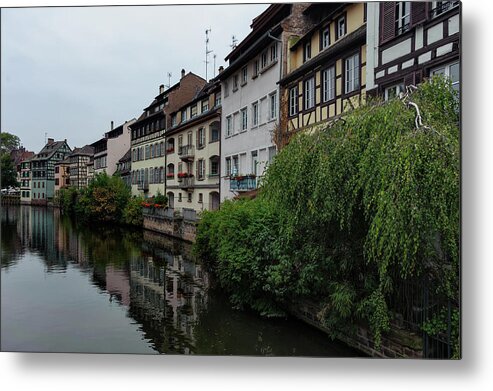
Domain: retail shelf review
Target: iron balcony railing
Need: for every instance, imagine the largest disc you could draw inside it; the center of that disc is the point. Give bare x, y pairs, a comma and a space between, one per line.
243, 183
143, 185
186, 152
186, 183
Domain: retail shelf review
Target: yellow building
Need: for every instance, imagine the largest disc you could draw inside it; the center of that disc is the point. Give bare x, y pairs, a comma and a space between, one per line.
192, 152
326, 67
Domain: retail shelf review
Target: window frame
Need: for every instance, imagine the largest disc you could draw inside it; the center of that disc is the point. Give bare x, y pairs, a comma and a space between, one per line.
307, 50
345, 73
340, 34
244, 119
306, 107
325, 88
323, 44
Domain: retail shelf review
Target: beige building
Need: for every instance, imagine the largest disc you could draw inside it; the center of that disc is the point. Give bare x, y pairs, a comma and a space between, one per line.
147, 135
326, 67
62, 175
193, 152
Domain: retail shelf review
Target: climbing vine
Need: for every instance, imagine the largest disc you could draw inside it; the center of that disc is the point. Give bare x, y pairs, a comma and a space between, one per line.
354, 207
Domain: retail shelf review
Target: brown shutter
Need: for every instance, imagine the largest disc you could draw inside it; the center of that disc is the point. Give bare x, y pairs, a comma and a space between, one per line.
387, 21
409, 79
419, 12
418, 76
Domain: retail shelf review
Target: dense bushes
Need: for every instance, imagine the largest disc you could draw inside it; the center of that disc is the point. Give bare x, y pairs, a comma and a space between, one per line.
105, 199
347, 211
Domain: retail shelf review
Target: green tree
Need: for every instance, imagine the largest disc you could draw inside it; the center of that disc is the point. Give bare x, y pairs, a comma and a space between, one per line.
9, 174
8, 142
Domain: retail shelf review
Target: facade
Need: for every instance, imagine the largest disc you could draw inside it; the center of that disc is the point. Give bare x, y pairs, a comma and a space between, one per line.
123, 168
147, 134
79, 160
326, 67
250, 96
109, 149
18, 156
62, 175
412, 41
25, 181
193, 150
43, 170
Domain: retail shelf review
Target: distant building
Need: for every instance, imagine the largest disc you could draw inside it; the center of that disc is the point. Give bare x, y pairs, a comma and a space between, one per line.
43, 170
79, 160
148, 154
192, 152
62, 175
111, 147
123, 168
18, 156
25, 181
409, 41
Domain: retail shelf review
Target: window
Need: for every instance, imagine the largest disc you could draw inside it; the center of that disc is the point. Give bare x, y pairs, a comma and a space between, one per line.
256, 68
214, 166
293, 101
228, 166
272, 153
451, 71
205, 106
201, 198
244, 75
229, 126
439, 7
273, 106
148, 152
307, 51
236, 166
189, 199
226, 89
394, 91
217, 99
201, 138
328, 84
325, 38
200, 169
214, 132
273, 53
244, 119
179, 197
402, 16
193, 111
235, 82
183, 115
352, 73
255, 114
309, 93
263, 59
341, 27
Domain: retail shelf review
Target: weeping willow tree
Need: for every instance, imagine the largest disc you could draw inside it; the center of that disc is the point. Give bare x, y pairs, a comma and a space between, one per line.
347, 212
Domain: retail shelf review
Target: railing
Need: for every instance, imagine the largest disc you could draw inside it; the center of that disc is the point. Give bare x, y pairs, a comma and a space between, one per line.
243, 183
158, 212
189, 214
186, 152
186, 183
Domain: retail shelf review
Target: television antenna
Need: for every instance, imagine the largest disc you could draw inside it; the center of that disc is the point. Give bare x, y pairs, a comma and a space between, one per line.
207, 51
233, 42
169, 80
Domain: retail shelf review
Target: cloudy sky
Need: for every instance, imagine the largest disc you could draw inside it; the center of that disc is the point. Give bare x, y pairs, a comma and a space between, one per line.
68, 72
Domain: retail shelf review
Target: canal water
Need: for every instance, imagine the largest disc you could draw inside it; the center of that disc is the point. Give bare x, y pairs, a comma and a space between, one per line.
73, 288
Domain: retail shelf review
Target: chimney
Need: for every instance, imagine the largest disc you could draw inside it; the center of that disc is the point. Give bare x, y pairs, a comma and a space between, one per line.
112, 125
182, 73
50, 141
221, 68
161, 88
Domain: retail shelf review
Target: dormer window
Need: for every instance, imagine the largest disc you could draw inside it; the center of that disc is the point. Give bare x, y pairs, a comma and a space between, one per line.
183, 115
307, 51
325, 38
235, 82
193, 111
341, 27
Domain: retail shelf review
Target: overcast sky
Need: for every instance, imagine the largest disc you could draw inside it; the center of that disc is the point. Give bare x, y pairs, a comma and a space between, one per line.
70, 71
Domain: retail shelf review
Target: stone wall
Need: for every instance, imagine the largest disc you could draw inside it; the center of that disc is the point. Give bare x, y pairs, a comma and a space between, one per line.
175, 226
397, 343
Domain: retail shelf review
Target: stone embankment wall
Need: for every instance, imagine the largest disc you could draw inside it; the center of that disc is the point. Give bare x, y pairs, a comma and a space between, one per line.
170, 223
397, 343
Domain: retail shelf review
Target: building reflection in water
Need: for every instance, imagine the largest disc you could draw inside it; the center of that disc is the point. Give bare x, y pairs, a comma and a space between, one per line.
153, 277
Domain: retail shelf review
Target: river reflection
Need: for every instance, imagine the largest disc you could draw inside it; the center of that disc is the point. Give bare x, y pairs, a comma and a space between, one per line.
72, 288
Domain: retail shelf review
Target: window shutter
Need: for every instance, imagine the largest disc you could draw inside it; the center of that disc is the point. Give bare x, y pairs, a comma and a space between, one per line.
419, 12
197, 169
418, 76
387, 21
409, 79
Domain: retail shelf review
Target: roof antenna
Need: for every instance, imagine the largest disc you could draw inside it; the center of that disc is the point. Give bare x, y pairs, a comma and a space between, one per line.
207, 51
169, 80
46, 137
214, 58
233, 42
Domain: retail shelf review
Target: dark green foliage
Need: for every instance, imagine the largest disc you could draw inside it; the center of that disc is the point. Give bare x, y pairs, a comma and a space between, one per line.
347, 211
132, 214
9, 174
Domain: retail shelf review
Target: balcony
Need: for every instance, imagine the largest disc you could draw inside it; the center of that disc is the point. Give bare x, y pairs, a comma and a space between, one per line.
243, 183
186, 152
187, 183
143, 185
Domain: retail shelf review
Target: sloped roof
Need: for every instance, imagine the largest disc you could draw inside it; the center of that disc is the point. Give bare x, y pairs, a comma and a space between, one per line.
49, 150
85, 150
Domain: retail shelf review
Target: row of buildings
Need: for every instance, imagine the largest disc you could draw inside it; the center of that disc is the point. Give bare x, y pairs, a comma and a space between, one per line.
201, 142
